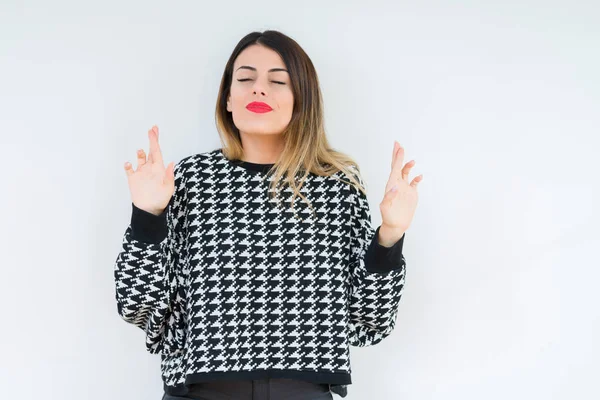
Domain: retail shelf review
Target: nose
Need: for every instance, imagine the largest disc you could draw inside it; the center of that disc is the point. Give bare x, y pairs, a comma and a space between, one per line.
259, 87
260, 91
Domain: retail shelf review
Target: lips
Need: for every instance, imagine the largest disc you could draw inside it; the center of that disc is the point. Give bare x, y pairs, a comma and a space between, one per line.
259, 107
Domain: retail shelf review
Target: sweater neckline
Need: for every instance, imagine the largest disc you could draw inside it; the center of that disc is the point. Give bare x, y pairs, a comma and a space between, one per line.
247, 165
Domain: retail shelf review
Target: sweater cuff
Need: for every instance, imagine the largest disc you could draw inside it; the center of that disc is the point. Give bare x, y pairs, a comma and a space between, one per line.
147, 227
384, 259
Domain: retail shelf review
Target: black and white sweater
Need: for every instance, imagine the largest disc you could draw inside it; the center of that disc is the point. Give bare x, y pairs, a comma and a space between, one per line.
229, 284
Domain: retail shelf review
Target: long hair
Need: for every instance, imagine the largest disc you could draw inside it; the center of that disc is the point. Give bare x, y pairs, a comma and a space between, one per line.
306, 148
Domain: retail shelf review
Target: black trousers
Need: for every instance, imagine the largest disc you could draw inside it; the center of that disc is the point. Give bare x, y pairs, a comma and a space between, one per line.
257, 389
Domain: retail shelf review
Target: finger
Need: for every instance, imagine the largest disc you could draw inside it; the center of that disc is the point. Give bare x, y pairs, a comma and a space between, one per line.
398, 161
154, 147
394, 152
141, 158
128, 169
169, 174
416, 181
407, 168
155, 129
150, 160
390, 194
396, 172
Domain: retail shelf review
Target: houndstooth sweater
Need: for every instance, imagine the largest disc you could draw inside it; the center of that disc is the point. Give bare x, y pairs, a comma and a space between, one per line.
228, 283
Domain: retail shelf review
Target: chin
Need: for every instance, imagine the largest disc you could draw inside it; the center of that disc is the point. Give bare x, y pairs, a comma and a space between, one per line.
256, 130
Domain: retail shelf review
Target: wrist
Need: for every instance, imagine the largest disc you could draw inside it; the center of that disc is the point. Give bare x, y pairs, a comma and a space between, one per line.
387, 237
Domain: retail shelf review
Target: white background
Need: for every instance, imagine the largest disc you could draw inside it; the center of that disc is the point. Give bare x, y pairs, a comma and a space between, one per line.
497, 101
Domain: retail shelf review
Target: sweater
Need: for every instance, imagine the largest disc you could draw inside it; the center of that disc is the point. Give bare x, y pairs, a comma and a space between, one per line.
228, 283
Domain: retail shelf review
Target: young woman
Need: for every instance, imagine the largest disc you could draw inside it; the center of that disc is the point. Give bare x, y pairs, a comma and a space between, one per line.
252, 268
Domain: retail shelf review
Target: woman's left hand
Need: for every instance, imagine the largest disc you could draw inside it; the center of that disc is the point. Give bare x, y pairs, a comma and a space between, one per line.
400, 201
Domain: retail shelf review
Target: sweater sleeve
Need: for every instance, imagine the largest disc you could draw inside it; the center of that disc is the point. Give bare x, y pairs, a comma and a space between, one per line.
376, 275
145, 272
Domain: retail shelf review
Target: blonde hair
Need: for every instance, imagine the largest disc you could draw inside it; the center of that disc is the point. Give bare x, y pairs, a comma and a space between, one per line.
306, 148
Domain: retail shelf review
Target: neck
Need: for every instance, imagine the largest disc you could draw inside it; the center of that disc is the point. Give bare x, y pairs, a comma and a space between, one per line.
261, 149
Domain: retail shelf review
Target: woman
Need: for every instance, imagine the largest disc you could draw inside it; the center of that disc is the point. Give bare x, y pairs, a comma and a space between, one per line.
245, 292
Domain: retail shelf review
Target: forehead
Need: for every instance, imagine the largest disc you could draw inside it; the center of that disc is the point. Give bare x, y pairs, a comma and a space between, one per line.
259, 57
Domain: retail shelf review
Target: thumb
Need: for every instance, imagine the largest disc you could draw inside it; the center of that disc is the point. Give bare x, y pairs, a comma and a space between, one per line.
169, 173
389, 196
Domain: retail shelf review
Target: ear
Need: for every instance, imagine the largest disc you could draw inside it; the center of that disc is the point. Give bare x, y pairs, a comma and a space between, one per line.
229, 103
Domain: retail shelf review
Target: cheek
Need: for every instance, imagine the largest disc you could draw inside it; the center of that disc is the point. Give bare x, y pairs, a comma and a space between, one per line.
286, 102
235, 97
238, 96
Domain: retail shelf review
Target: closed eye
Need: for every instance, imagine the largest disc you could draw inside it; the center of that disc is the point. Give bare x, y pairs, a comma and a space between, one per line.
248, 79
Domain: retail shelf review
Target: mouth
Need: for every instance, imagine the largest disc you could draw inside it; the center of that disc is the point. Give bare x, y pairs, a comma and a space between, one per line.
259, 107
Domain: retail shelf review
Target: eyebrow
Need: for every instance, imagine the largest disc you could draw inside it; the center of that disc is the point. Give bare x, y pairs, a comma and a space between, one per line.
254, 69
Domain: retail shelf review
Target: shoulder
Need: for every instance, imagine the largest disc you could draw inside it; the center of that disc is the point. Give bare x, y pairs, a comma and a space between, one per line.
194, 163
355, 173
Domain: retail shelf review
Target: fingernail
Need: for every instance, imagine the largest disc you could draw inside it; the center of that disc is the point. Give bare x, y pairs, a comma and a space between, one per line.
394, 188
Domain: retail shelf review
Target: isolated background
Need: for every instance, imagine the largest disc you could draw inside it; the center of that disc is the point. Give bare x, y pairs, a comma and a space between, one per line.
497, 101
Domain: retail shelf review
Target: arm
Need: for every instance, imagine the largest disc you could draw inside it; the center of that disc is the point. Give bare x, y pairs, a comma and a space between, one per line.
145, 271
377, 277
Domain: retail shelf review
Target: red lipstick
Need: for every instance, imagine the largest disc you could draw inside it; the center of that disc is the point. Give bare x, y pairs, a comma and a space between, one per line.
259, 107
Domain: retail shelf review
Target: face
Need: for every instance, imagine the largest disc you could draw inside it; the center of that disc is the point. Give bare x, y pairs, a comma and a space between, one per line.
260, 75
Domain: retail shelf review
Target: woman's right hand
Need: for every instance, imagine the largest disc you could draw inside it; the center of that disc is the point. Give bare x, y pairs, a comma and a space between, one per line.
151, 185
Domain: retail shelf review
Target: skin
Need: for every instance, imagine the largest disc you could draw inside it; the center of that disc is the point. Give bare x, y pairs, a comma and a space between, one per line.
262, 143
400, 200
260, 132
